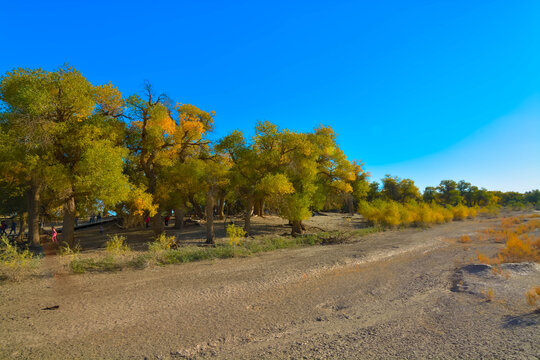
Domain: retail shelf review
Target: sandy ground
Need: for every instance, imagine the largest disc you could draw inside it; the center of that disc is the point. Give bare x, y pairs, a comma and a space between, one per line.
398, 294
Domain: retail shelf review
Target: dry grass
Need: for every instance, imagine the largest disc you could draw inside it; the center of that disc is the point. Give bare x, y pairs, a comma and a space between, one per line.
533, 295
520, 244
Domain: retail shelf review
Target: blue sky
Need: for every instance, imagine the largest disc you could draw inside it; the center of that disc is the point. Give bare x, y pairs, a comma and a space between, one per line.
428, 90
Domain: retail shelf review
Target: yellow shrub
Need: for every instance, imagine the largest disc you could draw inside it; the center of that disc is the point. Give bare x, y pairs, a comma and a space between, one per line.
509, 222
465, 239
235, 234
408, 213
518, 250
460, 212
116, 245
532, 295
390, 214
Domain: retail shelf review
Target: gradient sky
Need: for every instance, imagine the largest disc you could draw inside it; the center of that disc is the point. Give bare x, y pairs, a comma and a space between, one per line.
428, 90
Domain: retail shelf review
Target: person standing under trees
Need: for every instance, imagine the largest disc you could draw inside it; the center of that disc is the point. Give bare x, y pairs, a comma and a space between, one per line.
167, 218
13, 228
3, 228
147, 221
54, 235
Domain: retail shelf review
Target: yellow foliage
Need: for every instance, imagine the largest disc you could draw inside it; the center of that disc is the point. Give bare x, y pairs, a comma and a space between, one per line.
520, 244
391, 213
108, 98
117, 245
192, 127
517, 249
465, 239
235, 234
460, 212
509, 222
533, 295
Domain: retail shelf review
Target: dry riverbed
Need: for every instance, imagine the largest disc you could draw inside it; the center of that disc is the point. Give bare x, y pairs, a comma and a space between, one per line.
397, 294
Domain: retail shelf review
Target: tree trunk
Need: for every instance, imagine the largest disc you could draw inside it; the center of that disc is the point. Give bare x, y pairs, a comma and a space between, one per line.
210, 217
179, 214
296, 228
261, 208
257, 207
22, 226
221, 207
247, 215
350, 203
196, 208
68, 225
157, 223
33, 212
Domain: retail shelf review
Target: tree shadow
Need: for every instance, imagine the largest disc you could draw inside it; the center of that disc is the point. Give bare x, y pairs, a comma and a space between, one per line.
524, 320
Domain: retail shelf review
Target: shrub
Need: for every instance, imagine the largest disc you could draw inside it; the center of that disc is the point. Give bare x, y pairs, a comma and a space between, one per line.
520, 245
533, 295
489, 294
235, 234
460, 212
11, 256
391, 213
520, 249
15, 263
161, 243
116, 245
510, 222
465, 239
66, 250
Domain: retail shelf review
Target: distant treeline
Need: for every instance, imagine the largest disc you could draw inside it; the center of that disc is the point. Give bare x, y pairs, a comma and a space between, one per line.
69, 149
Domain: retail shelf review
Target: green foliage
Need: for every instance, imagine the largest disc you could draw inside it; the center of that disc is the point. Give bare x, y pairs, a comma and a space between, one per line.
117, 245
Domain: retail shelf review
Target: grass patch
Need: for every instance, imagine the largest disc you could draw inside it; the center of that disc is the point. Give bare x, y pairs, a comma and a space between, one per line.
104, 264
164, 250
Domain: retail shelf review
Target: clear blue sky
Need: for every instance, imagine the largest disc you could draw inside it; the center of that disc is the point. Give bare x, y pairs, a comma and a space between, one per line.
428, 90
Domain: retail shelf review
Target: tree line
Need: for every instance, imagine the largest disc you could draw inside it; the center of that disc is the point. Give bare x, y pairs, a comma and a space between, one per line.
70, 148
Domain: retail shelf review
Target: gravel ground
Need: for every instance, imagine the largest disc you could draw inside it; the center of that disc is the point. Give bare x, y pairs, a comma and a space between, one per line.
398, 294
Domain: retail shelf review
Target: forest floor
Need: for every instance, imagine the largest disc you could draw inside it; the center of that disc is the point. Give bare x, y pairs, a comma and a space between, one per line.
413, 293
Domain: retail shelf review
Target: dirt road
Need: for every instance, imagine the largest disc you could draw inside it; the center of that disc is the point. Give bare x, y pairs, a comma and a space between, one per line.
387, 295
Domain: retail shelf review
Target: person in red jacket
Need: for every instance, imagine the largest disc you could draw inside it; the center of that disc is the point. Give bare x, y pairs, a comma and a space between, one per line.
147, 221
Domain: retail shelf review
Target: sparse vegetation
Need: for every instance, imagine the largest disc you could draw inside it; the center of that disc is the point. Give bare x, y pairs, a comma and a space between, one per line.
164, 249
520, 244
117, 245
15, 264
533, 295
162, 243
